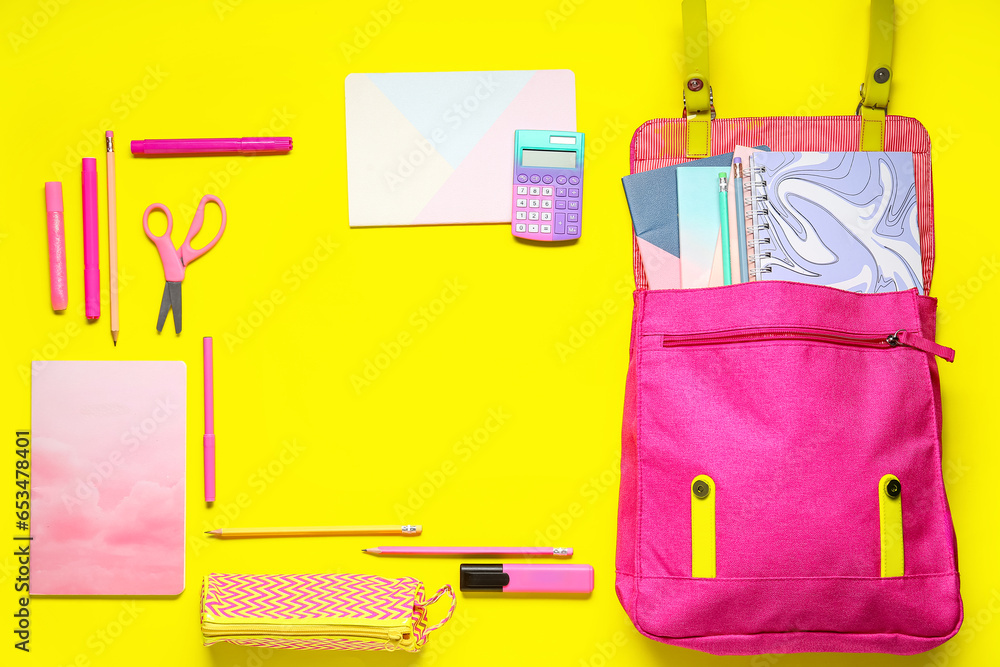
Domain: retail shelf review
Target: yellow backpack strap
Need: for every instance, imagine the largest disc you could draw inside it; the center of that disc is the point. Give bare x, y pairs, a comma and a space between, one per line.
698, 107
878, 76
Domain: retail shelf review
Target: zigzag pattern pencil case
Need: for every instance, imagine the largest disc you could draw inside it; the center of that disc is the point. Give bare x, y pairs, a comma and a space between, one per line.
353, 612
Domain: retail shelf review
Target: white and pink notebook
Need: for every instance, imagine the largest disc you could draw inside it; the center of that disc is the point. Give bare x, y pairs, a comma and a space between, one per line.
437, 148
107, 488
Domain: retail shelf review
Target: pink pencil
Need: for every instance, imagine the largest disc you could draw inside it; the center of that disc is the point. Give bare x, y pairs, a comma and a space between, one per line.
486, 552
208, 443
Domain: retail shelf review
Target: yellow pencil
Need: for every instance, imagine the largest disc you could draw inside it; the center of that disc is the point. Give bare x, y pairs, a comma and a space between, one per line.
316, 531
112, 235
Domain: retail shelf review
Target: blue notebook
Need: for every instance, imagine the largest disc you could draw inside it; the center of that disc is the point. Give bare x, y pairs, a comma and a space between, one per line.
652, 203
699, 224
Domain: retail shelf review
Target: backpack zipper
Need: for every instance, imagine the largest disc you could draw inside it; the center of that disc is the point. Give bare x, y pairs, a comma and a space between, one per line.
899, 338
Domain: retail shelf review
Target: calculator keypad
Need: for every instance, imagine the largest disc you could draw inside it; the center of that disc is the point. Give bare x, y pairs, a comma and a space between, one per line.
551, 208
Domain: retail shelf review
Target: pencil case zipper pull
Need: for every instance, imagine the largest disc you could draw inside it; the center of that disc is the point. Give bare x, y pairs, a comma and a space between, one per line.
918, 342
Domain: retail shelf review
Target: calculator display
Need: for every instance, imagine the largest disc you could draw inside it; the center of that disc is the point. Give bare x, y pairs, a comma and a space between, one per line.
557, 159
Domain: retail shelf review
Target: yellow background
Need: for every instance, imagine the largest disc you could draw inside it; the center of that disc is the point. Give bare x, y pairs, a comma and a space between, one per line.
284, 376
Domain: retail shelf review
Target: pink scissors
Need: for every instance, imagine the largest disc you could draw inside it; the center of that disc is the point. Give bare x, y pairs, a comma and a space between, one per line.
176, 259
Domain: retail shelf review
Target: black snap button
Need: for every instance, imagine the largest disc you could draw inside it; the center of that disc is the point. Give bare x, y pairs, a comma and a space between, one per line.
700, 489
893, 488
694, 85
881, 75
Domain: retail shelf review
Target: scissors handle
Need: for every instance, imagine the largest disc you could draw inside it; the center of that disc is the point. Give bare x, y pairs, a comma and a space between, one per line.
189, 254
173, 269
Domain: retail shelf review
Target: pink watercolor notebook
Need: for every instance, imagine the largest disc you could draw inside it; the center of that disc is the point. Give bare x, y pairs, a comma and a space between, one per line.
107, 491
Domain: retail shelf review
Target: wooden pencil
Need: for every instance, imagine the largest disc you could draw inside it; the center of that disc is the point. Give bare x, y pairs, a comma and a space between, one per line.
316, 531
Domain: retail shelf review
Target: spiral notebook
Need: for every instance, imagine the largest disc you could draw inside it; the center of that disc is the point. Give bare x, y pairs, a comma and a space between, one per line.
840, 219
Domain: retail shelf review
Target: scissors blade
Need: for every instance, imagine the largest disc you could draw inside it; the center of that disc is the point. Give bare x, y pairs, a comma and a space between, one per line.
164, 308
175, 301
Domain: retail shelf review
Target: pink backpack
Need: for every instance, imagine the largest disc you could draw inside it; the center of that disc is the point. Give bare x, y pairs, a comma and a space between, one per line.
781, 484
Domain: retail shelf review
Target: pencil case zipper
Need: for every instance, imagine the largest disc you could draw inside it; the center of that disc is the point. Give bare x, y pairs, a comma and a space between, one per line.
390, 634
899, 338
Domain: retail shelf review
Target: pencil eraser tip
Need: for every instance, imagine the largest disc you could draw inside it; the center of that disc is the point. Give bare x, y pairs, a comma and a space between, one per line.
53, 196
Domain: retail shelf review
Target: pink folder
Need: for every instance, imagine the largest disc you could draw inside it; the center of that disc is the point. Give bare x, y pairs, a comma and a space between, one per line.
107, 491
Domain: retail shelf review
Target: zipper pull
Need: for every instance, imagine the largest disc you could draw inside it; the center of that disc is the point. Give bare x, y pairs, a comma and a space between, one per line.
918, 342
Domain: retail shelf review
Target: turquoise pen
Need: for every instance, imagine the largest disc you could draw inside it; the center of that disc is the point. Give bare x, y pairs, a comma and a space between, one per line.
741, 223
727, 275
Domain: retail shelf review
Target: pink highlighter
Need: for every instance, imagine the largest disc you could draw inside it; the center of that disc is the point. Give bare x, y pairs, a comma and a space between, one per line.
243, 146
524, 578
58, 290
91, 248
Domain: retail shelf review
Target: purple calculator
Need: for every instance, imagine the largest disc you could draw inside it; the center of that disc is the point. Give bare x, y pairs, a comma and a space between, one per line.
548, 185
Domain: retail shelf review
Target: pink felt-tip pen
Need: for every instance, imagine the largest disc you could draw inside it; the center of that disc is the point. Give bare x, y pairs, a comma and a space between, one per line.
243, 146
507, 578
484, 552
58, 289
91, 247
208, 444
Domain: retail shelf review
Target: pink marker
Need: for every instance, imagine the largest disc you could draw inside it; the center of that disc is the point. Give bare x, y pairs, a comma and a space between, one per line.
244, 146
91, 247
208, 443
485, 552
58, 289
561, 578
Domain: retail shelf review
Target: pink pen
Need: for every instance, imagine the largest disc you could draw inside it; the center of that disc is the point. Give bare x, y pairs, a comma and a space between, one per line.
91, 249
208, 443
506, 578
485, 552
244, 146
58, 290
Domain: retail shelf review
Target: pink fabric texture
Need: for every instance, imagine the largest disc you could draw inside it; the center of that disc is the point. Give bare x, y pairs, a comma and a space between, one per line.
796, 435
